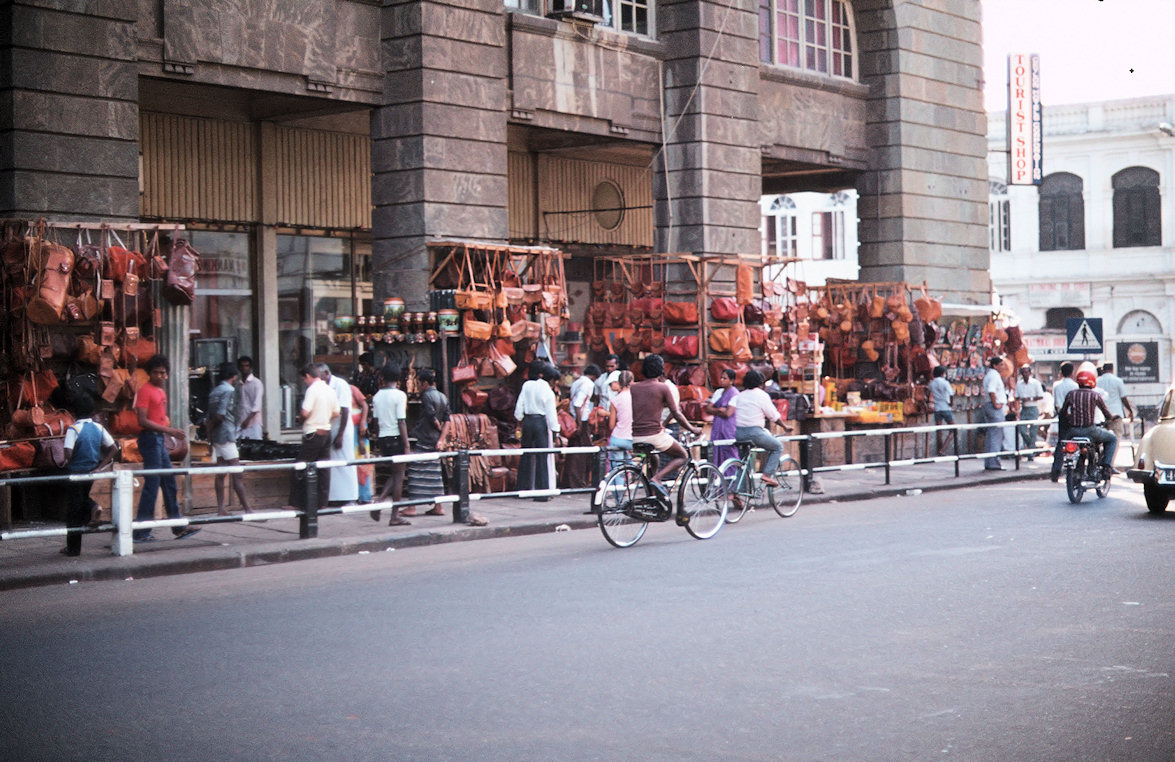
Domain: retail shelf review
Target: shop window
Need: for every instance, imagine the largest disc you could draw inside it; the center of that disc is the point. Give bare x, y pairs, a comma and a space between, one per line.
1137, 220
1062, 213
814, 35
999, 218
319, 279
1055, 318
224, 304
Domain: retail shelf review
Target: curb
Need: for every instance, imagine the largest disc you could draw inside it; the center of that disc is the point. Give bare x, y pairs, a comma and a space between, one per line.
218, 559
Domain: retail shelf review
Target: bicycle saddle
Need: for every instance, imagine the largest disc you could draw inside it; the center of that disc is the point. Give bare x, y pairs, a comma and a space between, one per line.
646, 448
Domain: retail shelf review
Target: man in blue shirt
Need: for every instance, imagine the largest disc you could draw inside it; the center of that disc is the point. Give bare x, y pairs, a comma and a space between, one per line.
222, 433
940, 397
88, 448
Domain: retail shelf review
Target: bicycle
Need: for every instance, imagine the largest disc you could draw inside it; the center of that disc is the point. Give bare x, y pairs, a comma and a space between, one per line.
626, 500
745, 488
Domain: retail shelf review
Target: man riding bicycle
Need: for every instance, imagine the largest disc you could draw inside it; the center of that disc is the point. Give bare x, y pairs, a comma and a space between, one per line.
649, 398
753, 409
1079, 406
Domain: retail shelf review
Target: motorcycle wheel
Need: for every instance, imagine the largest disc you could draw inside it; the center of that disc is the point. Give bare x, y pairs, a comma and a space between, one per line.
1073, 486
1103, 486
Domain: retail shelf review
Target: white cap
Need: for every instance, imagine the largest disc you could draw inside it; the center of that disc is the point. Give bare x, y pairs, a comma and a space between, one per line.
614, 377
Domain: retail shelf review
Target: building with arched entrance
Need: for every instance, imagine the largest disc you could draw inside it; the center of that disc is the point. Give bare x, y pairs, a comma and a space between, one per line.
313, 149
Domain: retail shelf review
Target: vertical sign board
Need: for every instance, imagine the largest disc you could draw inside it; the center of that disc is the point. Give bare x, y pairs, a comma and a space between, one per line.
1025, 137
1138, 362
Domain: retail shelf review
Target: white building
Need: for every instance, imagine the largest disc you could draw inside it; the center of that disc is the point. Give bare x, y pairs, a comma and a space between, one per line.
819, 229
1096, 238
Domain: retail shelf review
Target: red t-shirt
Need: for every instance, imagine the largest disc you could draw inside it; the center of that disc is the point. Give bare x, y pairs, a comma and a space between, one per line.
154, 400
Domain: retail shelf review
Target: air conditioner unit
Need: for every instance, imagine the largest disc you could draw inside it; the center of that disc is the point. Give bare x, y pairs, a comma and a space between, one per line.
586, 11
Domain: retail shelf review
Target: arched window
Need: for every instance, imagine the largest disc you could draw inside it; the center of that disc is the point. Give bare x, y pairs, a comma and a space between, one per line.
1137, 220
1055, 318
1139, 323
1062, 213
780, 220
999, 221
815, 35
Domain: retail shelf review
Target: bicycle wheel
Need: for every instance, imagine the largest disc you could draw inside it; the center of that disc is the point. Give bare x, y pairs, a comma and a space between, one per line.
786, 498
736, 504
613, 502
702, 498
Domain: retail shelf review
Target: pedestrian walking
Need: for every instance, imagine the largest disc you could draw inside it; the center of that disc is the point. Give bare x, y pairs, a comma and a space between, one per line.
344, 480
536, 411
425, 478
222, 435
320, 406
389, 409
1029, 393
88, 448
151, 407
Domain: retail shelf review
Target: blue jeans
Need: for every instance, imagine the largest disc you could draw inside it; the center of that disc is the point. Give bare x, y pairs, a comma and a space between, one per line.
617, 458
759, 437
1098, 434
155, 456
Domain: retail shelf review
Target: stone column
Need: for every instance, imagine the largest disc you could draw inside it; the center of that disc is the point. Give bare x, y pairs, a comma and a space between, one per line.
923, 202
70, 111
439, 139
707, 183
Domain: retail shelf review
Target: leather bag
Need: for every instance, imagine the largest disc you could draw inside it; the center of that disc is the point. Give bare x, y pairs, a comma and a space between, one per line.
182, 265
17, 456
744, 284
724, 308
680, 313
681, 347
54, 263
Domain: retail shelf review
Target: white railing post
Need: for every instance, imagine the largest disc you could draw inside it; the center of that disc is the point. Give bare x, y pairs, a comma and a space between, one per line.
122, 512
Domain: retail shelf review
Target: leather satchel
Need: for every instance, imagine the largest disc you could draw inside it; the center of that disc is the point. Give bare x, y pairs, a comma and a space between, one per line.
744, 284
724, 308
52, 283
680, 313
681, 347
182, 265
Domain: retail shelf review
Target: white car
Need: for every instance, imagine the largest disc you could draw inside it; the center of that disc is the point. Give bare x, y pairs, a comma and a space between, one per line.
1155, 469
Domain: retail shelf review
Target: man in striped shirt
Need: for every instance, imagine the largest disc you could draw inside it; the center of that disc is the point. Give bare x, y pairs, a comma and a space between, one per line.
1079, 406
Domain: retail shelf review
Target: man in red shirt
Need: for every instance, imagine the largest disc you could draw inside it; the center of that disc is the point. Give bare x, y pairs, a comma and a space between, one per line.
649, 398
1078, 409
151, 407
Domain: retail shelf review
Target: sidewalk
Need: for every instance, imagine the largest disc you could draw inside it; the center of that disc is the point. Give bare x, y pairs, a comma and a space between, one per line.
37, 561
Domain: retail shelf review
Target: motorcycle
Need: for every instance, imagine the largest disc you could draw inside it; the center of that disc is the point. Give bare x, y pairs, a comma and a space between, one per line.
1082, 469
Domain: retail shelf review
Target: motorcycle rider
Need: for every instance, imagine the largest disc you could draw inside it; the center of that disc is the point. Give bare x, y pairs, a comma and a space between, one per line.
1080, 405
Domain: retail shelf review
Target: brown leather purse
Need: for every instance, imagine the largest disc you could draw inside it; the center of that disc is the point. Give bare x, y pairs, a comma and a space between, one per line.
52, 282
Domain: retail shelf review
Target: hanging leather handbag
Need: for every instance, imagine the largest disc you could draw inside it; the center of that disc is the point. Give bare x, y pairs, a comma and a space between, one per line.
720, 340
473, 399
463, 372
744, 284
681, 347
680, 313
724, 308
182, 265
54, 264
477, 329
17, 456
740, 346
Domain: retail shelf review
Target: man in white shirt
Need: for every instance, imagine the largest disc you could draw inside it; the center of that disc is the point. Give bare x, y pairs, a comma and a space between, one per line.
1029, 393
994, 410
249, 396
577, 467
1116, 399
1061, 390
320, 406
604, 392
753, 408
344, 482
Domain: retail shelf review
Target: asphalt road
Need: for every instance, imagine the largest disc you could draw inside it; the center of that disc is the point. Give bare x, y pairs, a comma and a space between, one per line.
1001, 624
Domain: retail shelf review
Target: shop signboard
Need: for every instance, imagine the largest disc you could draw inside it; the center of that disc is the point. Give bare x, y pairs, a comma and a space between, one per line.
1046, 295
1138, 362
1025, 136
1047, 346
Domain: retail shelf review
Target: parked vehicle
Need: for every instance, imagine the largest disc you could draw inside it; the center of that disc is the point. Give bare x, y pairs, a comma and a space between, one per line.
1155, 466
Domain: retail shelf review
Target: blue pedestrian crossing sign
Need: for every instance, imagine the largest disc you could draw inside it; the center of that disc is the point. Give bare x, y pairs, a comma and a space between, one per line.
1084, 336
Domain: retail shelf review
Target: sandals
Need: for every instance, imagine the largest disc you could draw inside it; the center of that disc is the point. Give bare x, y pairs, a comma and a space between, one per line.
438, 511
396, 521
408, 512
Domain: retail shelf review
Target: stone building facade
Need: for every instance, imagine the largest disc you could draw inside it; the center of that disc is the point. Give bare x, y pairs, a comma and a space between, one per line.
345, 134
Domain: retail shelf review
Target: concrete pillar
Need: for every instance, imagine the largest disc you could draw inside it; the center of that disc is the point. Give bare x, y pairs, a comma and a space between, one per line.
70, 111
439, 139
923, 202
707, 183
